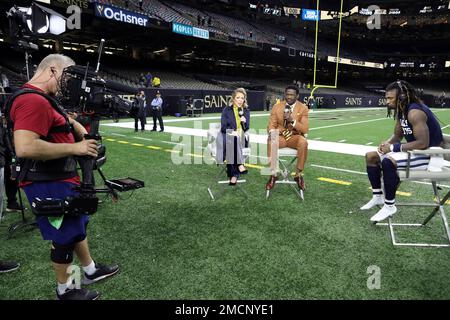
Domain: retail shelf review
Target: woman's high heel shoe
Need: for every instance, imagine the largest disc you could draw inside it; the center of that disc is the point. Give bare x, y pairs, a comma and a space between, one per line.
243, 172
232, 183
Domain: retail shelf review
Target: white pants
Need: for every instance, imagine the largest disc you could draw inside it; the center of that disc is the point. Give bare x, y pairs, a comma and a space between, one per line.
417, 162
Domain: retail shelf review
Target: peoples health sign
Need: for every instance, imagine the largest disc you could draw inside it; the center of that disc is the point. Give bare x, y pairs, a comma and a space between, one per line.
190, 31
308, 14
121, 15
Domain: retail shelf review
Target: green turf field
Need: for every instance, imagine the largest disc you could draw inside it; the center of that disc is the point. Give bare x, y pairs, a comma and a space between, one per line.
172, 242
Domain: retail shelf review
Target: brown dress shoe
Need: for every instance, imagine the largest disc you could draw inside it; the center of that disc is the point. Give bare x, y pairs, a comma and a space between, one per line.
300, 182
271, 183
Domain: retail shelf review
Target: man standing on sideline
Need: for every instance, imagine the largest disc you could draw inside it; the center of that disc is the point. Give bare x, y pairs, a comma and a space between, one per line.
157, 111
140, 115
415, 122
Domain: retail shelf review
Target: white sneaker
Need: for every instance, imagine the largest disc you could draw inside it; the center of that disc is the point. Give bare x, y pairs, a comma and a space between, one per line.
375, 201
385, 212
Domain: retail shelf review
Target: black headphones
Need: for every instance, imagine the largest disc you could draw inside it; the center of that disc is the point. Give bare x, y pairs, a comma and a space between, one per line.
403, 95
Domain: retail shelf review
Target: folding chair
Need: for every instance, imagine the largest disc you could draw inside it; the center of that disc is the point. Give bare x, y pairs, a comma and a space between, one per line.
438, 171
195, 107
286, 169
215, 143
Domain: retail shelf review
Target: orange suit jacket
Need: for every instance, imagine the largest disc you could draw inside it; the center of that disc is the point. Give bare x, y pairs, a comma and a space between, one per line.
299, 114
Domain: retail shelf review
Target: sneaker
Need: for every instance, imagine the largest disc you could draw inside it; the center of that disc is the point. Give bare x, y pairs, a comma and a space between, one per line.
385, 212
102, 272
375, 201
14, 207
8, 266
77, 294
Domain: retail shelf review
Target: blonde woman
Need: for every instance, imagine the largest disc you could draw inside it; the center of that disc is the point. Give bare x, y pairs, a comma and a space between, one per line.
235, 121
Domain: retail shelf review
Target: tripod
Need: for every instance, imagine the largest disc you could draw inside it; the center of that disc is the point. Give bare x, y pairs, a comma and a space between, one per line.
25, 46
27, 67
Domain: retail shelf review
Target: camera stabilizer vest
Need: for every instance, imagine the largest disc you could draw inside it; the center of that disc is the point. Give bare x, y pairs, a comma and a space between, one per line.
37, 170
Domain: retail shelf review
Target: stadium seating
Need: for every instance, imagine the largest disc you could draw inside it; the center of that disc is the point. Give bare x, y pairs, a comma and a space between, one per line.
169, 80
171, 11
192, 14
164, 12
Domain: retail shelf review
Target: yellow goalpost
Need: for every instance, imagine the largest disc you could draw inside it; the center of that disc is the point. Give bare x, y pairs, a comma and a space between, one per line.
315, 85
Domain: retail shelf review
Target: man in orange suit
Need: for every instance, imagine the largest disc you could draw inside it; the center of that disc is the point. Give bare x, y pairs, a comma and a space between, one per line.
289, 124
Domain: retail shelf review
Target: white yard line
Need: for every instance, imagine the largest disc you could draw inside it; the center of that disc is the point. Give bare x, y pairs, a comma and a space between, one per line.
347, 124
336, 147
343, 148
173, 143
267, 114
338, 169
140, 138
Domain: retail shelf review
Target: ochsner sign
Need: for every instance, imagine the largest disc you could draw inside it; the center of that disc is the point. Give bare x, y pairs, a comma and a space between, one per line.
113, 13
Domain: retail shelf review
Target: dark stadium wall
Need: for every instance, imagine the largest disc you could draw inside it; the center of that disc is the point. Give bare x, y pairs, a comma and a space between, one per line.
215, 100
174, 100
346, 100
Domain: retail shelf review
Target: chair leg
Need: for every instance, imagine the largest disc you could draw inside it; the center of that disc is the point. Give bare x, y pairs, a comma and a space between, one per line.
438, 207
242, 190
298, 192
211, 194
214, 182
222, 185
285, 170
441, 209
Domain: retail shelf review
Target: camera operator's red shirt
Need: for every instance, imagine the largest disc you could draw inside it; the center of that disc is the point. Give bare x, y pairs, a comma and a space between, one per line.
33, 112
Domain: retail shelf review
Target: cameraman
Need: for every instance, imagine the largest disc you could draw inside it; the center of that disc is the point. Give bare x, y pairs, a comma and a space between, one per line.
38, 136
